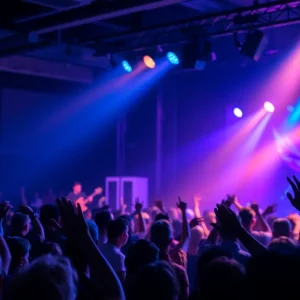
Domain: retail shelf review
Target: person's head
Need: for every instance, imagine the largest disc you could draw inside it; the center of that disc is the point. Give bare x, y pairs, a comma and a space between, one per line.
281, 227
162, 216
225, 274
102, 219
209, 217
247, 217
197, 235
49, 212
93, 230
117, 232
161, 234
19, 249
50, 248
48, 277
139, 254
130, 221
77, 187
20, 224
173, 213
283, 245
156, 281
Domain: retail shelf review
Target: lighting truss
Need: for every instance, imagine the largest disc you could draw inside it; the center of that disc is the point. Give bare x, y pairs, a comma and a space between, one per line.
262, 17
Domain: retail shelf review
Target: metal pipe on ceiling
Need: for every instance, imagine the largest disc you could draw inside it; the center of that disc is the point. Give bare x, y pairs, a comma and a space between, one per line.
110, 15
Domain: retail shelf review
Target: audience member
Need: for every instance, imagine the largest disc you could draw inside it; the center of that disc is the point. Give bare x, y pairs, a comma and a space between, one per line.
117, 236
162, 236
281, 227
102, 219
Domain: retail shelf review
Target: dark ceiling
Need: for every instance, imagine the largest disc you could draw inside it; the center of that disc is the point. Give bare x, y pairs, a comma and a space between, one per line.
38, 27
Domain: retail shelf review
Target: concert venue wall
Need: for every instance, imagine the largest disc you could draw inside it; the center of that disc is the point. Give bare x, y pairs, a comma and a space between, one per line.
44, 145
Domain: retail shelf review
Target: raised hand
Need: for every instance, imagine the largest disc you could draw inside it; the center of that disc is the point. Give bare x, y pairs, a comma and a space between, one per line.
159, 205
181, 205
295, 184
255, 207
227, 219
72, 218
4, 209
26, 210
138, 206
271, 209
230, 200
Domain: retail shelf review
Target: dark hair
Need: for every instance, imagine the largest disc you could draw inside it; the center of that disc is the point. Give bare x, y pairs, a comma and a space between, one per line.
18, 248
246, 215
161, 279
162, 216
18, 222
48, 212
210, 254
139, 254
102, 219
227, 274
161, 233
281, 227
116, 227
77, 183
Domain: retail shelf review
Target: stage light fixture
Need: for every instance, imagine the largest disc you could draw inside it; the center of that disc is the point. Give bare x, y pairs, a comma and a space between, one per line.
269, 107
196, 54
126, 66
238, 112
149, 62
173, 58
254, 45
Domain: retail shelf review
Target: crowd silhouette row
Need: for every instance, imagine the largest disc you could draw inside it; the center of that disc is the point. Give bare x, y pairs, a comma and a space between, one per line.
233, 252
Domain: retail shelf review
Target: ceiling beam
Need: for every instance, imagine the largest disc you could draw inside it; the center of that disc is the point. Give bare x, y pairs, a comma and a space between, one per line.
83, 16
269, 15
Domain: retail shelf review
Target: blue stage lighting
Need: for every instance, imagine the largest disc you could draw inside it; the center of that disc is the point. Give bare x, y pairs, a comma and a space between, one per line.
173, 58
126, 65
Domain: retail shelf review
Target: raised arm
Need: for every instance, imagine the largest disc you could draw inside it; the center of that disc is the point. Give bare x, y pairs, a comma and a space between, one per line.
75, 227
262, 224
185, 230
230, 222
37, 225
141, 222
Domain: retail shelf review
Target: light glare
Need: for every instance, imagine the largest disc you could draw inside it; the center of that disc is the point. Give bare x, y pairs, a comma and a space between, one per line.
126, 65
238, 112
269, 107
173, 58
149, 62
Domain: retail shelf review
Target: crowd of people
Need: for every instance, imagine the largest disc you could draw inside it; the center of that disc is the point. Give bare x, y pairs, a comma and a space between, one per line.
234, 252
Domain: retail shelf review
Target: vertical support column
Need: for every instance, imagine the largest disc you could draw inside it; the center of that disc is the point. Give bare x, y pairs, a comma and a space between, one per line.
158, 165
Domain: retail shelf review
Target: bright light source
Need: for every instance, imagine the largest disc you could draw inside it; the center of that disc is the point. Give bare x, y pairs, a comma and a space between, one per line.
173, 58
269, 107
149, 62
126, 65
238, 112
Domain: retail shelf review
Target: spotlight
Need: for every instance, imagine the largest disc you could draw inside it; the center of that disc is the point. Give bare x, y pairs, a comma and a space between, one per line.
269, 107
126, 65
149, 62
172, 57
238, 112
